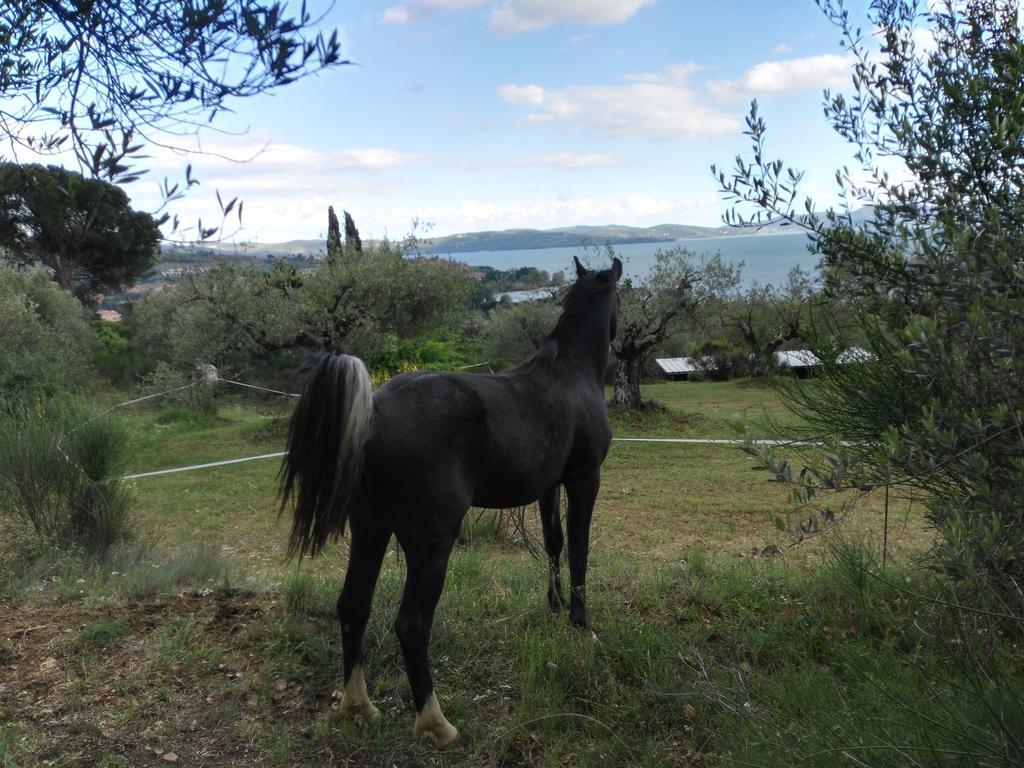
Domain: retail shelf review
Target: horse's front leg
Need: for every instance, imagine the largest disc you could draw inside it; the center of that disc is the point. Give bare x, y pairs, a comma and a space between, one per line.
581, 493
551, 523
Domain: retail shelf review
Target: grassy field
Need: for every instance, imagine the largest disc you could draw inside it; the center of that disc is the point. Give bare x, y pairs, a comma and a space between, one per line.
717, 641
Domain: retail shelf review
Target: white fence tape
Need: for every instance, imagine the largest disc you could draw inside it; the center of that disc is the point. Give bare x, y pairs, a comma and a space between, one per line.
156, 472
681, 440
279, 454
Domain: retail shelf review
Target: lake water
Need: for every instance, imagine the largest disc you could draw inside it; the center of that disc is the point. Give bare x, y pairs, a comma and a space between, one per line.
766, 258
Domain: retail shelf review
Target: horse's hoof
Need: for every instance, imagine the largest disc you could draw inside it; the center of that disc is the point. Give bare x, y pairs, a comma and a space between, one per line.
444, 735
443, 739
363, 709
430, 721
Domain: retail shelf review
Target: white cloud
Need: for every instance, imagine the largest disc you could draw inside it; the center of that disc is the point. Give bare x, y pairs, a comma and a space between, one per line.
782, 48
829, 70
285, 187
397, 15
566, 161
514, 16
924, 39
262, 162
569, 160
638, 210
452, 3
652, 106
421, 9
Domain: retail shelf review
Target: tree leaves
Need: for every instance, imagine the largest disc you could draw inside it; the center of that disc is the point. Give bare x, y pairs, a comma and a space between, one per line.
99, 77
930, 268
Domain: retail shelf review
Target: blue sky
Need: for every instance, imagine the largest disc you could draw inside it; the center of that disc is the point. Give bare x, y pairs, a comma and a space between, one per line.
497, 114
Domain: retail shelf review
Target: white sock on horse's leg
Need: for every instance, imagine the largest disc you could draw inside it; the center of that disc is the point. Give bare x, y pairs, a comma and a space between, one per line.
430, 720
355, 700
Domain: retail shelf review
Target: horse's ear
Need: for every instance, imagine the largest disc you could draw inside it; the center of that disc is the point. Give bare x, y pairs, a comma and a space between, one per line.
616, 268
580, 269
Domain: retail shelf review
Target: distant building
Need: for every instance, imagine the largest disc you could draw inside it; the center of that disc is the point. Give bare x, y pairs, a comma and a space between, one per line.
109, 315
803, 361
855, 355
799, 361
680, 368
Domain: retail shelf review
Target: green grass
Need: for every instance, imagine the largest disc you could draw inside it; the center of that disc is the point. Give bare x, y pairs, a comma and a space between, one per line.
101, 633
202, 641
657, 500
707, 660
704, 409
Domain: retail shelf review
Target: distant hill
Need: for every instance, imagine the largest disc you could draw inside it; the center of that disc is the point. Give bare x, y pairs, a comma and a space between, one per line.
504, 240
301, 248
566, 237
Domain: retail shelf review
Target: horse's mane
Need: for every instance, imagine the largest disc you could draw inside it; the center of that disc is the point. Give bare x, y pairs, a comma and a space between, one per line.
574, 304
575, 301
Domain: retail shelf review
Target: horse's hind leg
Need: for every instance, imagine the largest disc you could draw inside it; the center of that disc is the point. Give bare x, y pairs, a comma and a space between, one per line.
369, 542
427, 560
582, 493
551, 522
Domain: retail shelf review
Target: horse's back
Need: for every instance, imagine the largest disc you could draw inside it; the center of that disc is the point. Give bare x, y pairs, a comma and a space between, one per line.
486, 439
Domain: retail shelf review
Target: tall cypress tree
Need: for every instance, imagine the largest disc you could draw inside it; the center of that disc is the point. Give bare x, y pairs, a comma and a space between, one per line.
334, 246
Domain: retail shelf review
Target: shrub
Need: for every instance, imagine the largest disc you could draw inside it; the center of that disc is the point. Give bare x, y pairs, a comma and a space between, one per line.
58, 479
178, 400
45, 335
111, 355
720, 359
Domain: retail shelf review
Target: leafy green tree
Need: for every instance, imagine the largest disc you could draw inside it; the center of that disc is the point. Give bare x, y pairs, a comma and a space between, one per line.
365, 303
46, 336
514, 331
934, 274
235, 316
675, 296
763, 318
103, 79
243, 318
83, 230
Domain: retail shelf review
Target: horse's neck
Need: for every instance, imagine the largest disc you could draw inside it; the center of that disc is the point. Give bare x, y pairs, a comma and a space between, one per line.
582, 349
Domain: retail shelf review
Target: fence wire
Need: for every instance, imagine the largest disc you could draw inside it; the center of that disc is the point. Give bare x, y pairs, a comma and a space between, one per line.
280, 454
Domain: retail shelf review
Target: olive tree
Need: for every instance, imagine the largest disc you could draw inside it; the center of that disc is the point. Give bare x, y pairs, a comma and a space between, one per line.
675, 296
933, 276
243, 317
763, 318
515, 330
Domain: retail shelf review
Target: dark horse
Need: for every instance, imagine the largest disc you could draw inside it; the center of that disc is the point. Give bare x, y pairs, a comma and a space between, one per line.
411, 459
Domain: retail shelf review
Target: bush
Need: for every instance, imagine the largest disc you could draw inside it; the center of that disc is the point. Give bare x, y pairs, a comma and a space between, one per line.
515, 331
58, 480
45, 334
111, 355
721, 360
179, 401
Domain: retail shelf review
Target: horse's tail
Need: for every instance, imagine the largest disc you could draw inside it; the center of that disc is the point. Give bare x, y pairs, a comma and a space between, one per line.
326, 439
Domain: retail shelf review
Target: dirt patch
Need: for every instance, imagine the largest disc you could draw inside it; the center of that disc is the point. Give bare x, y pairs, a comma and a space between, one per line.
90, 695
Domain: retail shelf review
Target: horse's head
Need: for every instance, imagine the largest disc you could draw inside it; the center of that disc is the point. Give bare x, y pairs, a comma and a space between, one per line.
603, 281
